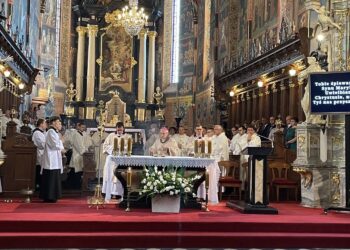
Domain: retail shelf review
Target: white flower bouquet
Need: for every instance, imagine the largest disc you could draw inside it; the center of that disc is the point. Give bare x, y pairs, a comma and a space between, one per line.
167, 181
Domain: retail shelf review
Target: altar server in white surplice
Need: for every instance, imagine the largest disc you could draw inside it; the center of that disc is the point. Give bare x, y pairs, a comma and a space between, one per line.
79, 146
220, 144
165, 145
182, 141
38, 138
116, 186
52, 167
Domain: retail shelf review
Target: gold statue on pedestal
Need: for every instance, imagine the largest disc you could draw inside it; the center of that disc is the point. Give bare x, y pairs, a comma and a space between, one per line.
71, 92
159, 100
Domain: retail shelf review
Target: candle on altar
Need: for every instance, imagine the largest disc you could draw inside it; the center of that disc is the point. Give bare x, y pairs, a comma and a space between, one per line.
203, 146
209, 147
129, 145
207, 179
115, 145
196, 146
122, 145
128, 177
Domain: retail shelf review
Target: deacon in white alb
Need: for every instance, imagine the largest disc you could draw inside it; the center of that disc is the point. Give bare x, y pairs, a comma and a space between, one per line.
79, 147
116, 188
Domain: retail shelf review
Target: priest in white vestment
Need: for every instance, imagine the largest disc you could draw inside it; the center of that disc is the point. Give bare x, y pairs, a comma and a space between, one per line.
108, 146
237, 141
220, 144
182, 141
199, 136
165, 145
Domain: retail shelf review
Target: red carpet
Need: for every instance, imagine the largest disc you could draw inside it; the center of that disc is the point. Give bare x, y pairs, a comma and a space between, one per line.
70, 223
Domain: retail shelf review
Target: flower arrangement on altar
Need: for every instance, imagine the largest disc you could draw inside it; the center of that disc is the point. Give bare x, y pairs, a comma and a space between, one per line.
167, 181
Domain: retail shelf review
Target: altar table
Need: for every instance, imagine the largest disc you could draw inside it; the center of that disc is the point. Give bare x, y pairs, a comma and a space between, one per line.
110, 187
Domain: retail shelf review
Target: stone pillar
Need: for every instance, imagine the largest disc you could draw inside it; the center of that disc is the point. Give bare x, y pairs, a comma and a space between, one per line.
151, 65
90, 88
80, 62
141, 94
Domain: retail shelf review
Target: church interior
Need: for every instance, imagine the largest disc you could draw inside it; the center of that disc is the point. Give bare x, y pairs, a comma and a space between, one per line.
174, 124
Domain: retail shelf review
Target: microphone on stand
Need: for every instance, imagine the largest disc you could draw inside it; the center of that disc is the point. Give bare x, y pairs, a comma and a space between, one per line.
261, 136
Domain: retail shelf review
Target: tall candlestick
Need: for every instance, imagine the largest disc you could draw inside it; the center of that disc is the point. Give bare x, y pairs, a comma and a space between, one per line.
129, 146
196, 147
203, 146
122, 145
209, 147
128, 177
207, 179
115, 145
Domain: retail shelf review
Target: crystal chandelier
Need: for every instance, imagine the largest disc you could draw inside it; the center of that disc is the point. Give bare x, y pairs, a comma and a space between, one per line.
133, 19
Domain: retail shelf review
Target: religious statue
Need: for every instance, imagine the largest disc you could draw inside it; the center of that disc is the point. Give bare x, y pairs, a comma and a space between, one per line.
127, 120
158, 96
325, 20
305, 102
116, 111
71, 92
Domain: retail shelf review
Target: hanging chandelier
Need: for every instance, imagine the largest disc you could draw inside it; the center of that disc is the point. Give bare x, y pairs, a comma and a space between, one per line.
132, 18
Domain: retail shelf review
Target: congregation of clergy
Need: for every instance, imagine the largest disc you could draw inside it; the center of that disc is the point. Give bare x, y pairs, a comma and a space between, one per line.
53, 144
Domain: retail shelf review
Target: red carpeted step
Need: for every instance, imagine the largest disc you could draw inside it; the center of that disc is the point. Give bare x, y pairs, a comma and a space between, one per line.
172, 239
111, 226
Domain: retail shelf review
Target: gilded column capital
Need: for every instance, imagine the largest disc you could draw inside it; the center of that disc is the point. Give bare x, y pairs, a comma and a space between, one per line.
81, 30
92, 30
152, 34
143, 33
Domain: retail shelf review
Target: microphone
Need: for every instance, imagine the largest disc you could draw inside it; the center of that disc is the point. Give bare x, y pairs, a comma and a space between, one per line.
261, 136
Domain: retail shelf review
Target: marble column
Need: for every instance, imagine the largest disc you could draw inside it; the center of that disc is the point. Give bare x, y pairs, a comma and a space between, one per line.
90, 88
151, 65
80, 62
141, 94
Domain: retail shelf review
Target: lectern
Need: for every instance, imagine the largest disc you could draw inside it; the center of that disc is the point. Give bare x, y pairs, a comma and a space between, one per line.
256, 198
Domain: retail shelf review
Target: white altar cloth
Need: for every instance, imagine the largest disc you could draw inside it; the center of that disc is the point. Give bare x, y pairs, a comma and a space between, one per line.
111, 187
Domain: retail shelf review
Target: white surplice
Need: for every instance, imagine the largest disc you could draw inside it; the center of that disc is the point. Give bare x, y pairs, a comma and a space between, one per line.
38, 139
79, 147
52, 157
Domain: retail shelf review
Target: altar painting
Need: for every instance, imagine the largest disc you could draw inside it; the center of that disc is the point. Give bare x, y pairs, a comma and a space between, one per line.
116, 69
33, 48
187, 56
223, 27
48, 40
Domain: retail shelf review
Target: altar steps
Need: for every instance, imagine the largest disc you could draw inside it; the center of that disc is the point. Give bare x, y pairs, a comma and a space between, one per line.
172, 239
71, 224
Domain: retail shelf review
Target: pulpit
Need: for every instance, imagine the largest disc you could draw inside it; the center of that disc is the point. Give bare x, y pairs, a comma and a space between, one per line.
256, 198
